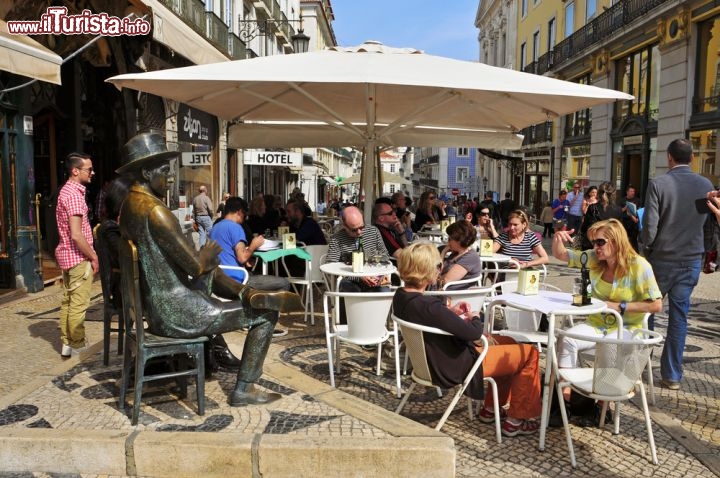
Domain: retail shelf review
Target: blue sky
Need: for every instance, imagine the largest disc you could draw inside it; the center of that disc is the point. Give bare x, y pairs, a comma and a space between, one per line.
439, 27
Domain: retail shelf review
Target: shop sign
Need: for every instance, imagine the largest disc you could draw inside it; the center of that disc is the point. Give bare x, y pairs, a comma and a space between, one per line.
273, 158
196, 159
630, 140
195, 126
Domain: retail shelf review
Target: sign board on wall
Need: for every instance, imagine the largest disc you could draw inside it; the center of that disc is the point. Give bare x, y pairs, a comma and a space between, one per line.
196, 159
273, 158
195, 126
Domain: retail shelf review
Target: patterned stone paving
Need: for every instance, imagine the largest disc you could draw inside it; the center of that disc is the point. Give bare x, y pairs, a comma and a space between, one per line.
85, 397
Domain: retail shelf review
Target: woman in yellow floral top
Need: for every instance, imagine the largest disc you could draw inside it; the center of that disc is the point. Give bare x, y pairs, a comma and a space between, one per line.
619, 276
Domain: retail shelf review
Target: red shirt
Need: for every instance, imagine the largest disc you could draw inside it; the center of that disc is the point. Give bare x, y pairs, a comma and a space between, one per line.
71, 202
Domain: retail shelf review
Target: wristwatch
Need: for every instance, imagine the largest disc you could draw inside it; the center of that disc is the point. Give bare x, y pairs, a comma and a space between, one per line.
623, 306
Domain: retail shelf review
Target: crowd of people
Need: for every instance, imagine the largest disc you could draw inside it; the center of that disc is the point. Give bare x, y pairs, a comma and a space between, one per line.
636, 256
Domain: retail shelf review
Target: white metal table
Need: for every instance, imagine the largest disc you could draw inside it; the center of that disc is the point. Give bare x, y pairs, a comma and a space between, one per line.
552, 304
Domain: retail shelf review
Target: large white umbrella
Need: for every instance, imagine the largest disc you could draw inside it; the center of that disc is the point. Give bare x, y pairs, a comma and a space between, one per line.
386, 178
371, 93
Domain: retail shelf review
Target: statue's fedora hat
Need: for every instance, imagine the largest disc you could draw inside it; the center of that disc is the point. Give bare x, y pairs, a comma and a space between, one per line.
142, 150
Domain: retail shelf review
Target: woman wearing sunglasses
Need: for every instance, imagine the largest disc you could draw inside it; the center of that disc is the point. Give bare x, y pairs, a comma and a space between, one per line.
619, 276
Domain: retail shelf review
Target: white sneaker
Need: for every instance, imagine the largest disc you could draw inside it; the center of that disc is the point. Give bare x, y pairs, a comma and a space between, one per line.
66, 351
79, 350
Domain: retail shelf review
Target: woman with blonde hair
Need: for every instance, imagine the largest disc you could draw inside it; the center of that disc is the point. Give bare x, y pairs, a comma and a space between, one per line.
619, 276
450, 358
429, 211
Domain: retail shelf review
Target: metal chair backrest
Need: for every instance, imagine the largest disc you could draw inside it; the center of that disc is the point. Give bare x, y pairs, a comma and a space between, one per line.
415, 345
109, 275
132, 300
470, 282
317, 253
475, 296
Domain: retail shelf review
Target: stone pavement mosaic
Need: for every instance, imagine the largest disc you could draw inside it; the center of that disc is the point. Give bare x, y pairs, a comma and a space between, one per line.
685, 422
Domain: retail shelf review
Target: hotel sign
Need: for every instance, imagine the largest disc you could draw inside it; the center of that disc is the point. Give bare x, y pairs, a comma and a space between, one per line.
273, 158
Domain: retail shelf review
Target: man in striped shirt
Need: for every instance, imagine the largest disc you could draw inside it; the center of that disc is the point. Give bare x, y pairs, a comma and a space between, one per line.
345, 240
75, 254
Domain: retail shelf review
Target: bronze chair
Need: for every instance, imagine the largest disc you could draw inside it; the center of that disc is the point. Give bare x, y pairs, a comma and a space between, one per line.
110, 281
142, 346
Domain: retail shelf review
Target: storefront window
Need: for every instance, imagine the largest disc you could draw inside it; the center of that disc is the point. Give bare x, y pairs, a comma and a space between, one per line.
707, 160
707, 85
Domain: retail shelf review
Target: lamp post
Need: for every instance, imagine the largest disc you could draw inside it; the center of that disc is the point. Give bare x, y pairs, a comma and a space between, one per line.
484, 183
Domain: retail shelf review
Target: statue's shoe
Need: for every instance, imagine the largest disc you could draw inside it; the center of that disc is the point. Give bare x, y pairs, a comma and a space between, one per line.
282, 301
253, 397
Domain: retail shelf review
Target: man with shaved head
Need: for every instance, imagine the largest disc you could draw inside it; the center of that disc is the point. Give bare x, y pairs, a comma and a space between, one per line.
347, 239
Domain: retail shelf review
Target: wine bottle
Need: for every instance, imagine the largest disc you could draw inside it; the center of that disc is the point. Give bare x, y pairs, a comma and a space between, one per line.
585, 279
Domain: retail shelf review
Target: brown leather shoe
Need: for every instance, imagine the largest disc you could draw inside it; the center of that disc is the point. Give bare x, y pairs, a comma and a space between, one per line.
253, 397
282, 301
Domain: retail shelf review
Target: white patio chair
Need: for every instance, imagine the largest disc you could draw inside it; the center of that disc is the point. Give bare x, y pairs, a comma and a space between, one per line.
510, 273
367, 316
413, 334
521, 325
471, 282
475, 296
238, 273
313, 277
588, 356
615, 376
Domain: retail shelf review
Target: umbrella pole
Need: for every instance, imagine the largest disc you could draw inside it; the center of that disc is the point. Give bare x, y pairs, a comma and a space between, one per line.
366, 181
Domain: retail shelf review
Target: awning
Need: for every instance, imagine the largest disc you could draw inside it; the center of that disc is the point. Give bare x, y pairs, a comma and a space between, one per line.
21, 55
171, 31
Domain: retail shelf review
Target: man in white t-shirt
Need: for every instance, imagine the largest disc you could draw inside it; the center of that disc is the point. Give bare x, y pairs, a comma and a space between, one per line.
575, 215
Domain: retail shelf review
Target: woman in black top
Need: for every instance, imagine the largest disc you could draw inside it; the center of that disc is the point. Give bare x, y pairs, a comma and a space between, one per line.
513, 366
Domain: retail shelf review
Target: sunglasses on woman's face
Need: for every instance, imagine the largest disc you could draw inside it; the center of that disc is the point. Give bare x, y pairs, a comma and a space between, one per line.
484, 214
598, 242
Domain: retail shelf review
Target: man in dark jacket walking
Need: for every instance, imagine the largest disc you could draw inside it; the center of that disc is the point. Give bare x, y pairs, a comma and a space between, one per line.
672, 235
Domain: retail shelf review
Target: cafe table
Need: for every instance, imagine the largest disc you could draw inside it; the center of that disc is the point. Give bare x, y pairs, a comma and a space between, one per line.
553, 304
340, 270
273, 254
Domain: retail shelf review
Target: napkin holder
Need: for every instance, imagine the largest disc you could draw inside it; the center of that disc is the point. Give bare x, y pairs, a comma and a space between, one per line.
358, 261
486, 247
289, 241
528, 281
444, 225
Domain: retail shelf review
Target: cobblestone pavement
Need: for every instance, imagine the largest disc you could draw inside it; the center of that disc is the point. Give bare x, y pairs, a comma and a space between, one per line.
40, 390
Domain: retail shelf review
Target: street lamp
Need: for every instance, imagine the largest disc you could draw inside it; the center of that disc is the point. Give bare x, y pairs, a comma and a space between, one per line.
484, 181
250, 29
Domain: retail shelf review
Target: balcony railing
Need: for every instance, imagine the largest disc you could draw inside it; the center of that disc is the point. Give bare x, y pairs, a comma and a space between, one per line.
217, 31
600, 28
236, 47
538, 133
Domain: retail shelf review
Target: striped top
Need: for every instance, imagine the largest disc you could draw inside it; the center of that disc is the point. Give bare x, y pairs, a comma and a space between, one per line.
522, 251
341, 242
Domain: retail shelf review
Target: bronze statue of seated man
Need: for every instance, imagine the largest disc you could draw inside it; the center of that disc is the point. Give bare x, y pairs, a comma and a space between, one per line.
177, 281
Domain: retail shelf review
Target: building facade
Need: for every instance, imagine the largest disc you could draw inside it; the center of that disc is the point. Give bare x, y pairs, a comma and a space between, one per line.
43, 122
664, 53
